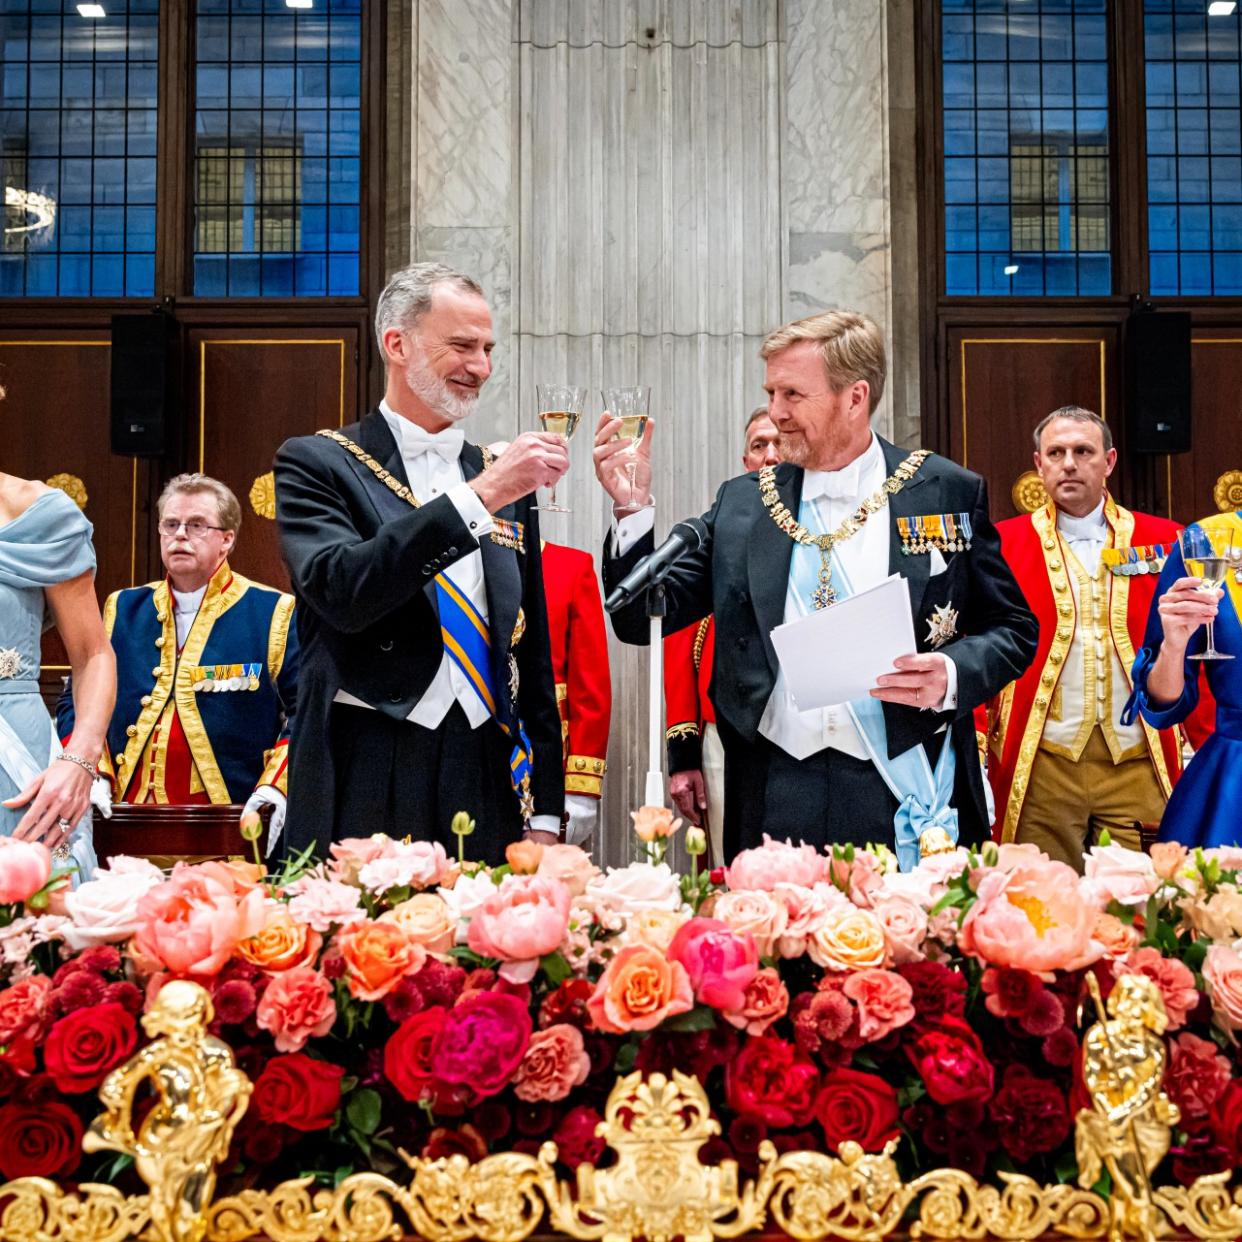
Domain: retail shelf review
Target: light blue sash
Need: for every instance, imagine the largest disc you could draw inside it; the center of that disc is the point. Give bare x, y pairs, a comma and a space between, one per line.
922, 795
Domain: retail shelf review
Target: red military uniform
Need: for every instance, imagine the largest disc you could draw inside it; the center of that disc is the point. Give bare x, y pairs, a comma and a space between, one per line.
688, 658
1015, 721
579, 664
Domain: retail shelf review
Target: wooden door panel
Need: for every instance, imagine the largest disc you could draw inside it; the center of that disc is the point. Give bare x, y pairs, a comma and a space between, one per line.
254, 389
56, 427
1003, 381
1209, 477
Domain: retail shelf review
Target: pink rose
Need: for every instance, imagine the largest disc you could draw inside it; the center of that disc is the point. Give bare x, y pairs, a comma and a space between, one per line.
104, 909
1174, 979
763, 915
420, 864
297, 1004
25, 867
860, 877
1229, 856
524, 919
926, 884
25, 1015
322, 904
191, 923
1115, 873
719, 962
766, 1001
884, 1000
555, 1063
1222, 972
568, 864
1032, 917
1168, 858
904, 924
351, 854
805, 912
777, 862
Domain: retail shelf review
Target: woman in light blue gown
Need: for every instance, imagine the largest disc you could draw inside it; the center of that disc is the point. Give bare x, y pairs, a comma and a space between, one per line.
47, 572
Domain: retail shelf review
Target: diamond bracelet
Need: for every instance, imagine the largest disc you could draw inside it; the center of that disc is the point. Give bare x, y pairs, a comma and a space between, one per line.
82, 763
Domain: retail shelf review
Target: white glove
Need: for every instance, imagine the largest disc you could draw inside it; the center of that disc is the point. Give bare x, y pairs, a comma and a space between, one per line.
268, 795
101, 796
988, 797
583, 816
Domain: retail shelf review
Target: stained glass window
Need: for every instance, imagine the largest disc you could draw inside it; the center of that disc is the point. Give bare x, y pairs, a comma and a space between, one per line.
1026, 147
277, 148
1194, 147
77, 147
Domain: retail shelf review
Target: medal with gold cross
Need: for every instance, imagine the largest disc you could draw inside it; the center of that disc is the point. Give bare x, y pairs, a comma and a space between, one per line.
942, 625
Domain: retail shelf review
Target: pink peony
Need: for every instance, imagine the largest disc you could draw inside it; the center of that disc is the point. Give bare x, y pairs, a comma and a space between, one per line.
763, 915
418, 864
1196, 1076
1222, 973
766, 1001
191, 923
482, 1041
1115, 873
719, 962
1175, 980
904, 924
297, 1004
322, 904
555, 1063
524, 919
351, 854
884, 1000
777, 862
1032, 917
25, 867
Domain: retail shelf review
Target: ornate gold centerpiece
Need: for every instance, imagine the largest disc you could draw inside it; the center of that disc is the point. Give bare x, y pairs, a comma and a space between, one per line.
654, 1187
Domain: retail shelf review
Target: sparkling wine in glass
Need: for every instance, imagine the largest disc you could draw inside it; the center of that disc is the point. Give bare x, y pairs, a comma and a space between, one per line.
631, 406
1208, 555
560, 412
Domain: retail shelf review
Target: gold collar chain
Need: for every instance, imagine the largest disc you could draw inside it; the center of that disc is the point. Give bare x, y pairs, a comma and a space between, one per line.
824, 594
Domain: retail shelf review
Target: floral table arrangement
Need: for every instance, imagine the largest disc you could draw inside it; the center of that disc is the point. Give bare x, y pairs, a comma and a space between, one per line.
392, 998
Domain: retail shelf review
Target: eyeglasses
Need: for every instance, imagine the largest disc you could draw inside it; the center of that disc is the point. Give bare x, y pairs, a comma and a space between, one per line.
194, 529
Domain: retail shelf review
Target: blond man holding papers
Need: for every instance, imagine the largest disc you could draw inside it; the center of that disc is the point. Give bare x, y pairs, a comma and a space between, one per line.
845, 511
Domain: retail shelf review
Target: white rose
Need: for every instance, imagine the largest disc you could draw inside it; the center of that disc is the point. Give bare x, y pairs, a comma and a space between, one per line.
640, 886
466, 897
103, 909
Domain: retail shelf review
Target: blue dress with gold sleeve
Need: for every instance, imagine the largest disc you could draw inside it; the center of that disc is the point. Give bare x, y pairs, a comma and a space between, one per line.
1206, 806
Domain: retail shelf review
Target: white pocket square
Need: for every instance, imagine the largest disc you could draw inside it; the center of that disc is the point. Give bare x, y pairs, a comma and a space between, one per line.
936, 562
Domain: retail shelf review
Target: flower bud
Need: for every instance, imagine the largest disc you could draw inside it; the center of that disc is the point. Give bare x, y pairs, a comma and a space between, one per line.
251, 829
696, 841
462, 824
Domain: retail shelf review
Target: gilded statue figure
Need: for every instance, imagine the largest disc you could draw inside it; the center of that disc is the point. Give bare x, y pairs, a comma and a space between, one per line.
199, 1097
1127, 1129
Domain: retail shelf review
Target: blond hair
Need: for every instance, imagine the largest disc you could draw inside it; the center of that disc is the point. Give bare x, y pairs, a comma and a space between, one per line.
229, 511
850, 344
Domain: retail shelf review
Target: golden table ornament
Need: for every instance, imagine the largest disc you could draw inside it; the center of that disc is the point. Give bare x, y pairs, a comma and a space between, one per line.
263, 496
1028, 492
72, 486
1228, 491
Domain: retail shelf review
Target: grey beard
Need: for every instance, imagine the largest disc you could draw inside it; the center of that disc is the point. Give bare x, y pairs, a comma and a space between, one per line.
435, 394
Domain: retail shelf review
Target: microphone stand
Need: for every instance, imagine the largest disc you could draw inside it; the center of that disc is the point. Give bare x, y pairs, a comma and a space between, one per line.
657, 607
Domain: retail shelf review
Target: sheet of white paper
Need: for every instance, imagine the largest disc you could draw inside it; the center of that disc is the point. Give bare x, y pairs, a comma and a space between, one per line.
836, 654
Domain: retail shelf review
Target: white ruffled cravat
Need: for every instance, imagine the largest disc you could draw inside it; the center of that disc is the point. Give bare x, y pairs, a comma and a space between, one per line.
446, 444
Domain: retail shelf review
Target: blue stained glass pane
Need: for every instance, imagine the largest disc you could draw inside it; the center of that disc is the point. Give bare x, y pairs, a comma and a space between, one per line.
139, 275
277, 276
961, 277
108, 233
75, 276
343, 275
1223, 83
1194, 228
40, 276
210, 276
957, 38
1227, 274
1196, 271
1160, 86
1162, 227
959, 86
1164, 275
108, 275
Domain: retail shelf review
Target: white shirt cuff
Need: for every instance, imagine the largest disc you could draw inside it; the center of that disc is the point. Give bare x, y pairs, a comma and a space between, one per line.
628, 530
470, 508
544, 823
949, 702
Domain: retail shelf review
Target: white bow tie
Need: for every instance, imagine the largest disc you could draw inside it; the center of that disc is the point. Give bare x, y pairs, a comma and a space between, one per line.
837, 485
446, 444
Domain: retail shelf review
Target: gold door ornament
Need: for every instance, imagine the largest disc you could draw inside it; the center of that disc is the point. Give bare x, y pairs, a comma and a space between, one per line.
1228, 491
72, 486
1028, 492
263, 496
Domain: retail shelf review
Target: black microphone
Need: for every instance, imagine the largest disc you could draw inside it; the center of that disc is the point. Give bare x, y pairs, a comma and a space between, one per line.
687, 536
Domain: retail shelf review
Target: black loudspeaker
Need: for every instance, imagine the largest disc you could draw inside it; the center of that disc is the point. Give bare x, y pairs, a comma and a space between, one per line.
1158, 367
143, 361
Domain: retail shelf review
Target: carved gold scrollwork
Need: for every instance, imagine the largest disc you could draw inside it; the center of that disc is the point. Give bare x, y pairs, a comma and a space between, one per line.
263, 496
72, 486
1028, 492
1228, 491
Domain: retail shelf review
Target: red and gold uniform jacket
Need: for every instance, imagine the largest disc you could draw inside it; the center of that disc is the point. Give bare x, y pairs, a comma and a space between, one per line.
579, 664
689, 655
1012, 724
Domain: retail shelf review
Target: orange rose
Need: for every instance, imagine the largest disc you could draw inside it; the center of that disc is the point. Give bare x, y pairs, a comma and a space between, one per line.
377, 957
282, 944
426, 919
654, 822
638, 990
523, 857
849, 939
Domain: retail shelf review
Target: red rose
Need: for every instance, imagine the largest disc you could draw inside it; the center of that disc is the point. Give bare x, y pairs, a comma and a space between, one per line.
85, 1044
939, 991
857, 1106
296, 1090
1227, 1119
42, 1139
1009, 992
567, 1004
771, 1081
576, 1142
1030, 1113
482, 1041
949, 1059
408, 1065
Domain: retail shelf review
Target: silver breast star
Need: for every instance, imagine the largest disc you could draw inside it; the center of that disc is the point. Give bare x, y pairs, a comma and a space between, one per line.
942, 625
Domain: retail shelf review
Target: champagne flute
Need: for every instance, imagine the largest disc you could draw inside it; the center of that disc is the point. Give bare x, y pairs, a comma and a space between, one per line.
1208, 555
560, 412
631, 406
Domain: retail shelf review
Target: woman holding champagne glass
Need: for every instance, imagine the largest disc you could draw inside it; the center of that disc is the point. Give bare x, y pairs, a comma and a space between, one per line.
1194, 629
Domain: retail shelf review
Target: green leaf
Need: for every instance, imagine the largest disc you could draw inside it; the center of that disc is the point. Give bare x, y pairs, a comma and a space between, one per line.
112, 1171
1104, 1187
1066, 1167
1105, 838
1194, 953
556, 968
1123, 912
700, 1018
363, 1111
469, 958
626, 1057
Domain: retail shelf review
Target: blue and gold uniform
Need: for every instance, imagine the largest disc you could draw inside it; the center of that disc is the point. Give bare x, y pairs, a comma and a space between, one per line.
210, 722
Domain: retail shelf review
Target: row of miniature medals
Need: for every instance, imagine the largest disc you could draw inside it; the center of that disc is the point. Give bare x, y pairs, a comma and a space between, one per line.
946, 532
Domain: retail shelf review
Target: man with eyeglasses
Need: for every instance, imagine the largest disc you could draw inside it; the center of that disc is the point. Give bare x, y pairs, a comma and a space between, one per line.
206, 669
